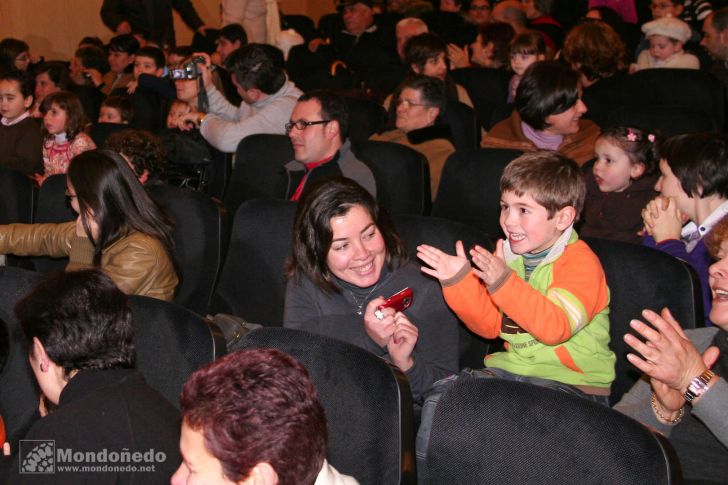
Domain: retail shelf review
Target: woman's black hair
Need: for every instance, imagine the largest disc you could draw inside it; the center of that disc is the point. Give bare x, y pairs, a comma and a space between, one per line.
312, 234
82, 319
698, 160
107, 187
9, 50
547, 88
421, 48
57, 72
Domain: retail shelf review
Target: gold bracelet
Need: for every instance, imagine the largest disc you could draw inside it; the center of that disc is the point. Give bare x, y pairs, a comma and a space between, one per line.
662, 418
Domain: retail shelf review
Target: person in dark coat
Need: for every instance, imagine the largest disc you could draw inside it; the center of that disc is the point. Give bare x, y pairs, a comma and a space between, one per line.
152, 17
106, 421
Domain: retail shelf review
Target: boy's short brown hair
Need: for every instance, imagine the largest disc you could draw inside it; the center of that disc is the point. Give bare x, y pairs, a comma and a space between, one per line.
553, 180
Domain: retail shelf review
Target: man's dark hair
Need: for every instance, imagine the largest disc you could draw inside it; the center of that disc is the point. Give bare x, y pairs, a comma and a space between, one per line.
333, 107
432, 90
82, 319
234, 32
124, 43
257, 66
720, 19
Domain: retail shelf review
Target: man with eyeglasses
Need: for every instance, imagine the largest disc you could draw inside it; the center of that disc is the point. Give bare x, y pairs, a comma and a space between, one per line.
268, 98
318, 130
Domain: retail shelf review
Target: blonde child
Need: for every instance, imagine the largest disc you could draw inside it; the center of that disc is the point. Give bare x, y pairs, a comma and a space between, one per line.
620, 184
178, 109
20, 137
116, 109
667, 37
525, 49
63, 135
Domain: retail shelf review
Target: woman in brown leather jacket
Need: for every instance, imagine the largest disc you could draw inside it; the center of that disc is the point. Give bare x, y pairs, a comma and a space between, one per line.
119, 228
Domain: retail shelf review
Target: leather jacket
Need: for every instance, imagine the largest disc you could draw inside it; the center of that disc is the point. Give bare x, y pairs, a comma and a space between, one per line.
137, 263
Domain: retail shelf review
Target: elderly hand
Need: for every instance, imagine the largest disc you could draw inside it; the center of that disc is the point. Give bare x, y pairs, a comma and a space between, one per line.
379, 330
491, 266
667, 356
402, 343
442, 266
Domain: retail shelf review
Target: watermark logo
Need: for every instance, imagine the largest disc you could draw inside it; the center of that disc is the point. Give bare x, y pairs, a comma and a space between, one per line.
37, 456
42, 457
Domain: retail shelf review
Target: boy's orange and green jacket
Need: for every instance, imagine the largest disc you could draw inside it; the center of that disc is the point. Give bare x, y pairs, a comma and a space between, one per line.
556, 325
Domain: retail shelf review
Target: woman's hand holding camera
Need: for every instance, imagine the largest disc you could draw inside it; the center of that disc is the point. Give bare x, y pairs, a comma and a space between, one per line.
379, 330
204, 67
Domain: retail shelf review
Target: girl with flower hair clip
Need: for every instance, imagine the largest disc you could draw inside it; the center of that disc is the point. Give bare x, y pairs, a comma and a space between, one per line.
620, 184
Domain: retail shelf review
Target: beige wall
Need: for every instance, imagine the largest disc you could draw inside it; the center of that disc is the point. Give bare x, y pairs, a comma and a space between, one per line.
53, 28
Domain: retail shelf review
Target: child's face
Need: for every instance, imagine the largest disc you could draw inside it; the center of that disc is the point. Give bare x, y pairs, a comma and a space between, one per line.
613, 170
12, 101
662, 47
668, 185
175, 112
526, 223
119, 60
664, 8
55, 120
110, 115
146, 65
520, 62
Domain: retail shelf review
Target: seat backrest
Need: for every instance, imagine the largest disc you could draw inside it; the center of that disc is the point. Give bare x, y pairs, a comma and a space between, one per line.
366, 117
258, 166
171, 343
198, 238
401, 173
639, 278
53, 206
668, 120
367, 403
678, 87
469, 191
218, 173
463, 124
442, 234
18, 388
505, 432
17, 197
487, 88
252, 283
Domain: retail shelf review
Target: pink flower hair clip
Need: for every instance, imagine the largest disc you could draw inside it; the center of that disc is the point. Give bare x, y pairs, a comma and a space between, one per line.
651, 137
631, 135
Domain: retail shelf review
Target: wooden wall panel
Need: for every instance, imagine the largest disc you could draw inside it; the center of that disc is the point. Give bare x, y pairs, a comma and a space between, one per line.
53, 28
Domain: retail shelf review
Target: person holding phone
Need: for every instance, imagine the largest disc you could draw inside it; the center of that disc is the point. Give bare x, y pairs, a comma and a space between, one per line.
347, 260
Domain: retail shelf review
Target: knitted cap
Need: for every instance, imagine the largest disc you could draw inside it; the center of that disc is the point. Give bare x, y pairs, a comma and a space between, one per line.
669, 27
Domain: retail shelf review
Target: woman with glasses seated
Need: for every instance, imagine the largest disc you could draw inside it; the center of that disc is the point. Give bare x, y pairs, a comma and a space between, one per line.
119, 229
420, 100
347, 258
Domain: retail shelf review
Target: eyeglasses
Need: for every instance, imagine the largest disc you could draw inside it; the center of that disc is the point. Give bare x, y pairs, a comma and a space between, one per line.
303, 124
408, 104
